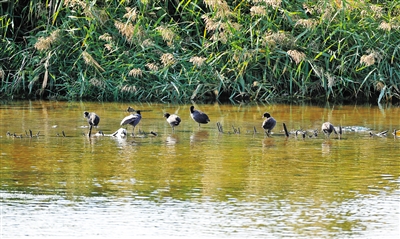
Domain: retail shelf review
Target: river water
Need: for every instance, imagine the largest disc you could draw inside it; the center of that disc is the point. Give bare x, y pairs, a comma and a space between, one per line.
198, 182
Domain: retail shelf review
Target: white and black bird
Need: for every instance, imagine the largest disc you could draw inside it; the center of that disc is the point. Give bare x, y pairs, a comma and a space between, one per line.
132, 119
328, 128
199, 116
93, 120
269, 123
174, 120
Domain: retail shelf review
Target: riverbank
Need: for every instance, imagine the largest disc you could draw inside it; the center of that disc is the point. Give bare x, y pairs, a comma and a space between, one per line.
325, 51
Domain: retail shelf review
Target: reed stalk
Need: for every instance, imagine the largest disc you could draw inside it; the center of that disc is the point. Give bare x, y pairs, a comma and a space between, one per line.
200, 49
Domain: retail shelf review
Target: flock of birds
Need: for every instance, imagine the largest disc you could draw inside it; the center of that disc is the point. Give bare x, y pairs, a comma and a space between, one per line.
133, 119
202, 118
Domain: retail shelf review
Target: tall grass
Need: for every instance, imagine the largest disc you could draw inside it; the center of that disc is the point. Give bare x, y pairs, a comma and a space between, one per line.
174, 50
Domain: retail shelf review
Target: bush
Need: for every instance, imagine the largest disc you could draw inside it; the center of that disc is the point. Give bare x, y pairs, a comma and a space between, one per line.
178, 51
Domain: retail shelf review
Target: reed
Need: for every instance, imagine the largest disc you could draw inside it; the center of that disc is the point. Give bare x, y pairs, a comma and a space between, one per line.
198, 50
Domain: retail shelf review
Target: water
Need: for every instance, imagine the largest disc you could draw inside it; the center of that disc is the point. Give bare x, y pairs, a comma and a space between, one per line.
198, 182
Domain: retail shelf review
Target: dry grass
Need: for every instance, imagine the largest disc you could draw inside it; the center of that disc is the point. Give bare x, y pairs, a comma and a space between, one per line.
297, 56
197, 61
89, 60
44, 43
167, 60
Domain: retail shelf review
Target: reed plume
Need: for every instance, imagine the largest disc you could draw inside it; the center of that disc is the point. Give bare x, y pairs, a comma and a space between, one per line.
136, 72
106, 37
97, 83
152, 66
197, 61
167, 34
131, 13
128, 88
307, 23
371, 58
89, 60
168, 59
126, 29
297, 56
44, 43
258, 11
2, 74
272, 3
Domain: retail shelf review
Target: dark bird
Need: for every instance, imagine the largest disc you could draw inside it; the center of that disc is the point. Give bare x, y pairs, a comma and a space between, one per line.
132, 119
173, 120
199, 116
328, 128
130, 109
268, 123
92, 119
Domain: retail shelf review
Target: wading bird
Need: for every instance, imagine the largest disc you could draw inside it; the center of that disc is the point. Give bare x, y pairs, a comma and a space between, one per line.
328, 128
130, 109
132, 119
199, 116
92, 119
269, 123
173, 120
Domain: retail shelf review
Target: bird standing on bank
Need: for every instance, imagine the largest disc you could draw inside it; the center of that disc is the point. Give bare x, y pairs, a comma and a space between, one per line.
328, 128
269, 123
173, 120
199, 116
92, 119
132, 119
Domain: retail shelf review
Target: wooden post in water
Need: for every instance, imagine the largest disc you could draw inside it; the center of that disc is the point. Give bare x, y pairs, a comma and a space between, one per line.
284, 128
219, 126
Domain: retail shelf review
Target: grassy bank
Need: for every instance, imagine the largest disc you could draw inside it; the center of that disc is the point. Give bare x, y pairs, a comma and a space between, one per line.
258, 50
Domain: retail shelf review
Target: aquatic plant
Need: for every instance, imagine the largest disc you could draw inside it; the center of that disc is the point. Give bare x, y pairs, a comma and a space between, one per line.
195, 50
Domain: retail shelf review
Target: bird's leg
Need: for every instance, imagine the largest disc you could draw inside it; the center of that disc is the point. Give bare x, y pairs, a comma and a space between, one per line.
90, 130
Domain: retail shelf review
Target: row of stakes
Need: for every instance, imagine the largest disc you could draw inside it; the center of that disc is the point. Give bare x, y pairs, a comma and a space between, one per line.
296, 133
200, 117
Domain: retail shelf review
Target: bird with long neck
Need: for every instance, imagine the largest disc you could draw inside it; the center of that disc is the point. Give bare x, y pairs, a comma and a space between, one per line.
93, 120
132, 119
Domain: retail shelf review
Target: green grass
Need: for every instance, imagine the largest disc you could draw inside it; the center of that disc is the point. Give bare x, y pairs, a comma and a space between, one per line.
295, 50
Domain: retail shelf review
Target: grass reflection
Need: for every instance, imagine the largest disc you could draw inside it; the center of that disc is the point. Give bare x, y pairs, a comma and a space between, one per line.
192, 163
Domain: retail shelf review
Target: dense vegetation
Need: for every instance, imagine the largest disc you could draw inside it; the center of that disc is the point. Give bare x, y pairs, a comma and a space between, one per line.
172, 50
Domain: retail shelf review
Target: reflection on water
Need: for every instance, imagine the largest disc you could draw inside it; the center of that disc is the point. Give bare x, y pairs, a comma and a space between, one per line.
198, 181
199, 136
274, 217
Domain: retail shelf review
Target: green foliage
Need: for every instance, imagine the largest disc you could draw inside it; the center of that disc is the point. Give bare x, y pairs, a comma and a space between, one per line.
193, 49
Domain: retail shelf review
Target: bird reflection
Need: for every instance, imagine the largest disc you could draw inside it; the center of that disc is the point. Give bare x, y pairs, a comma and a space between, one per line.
171, 140
121, 141
326, 147
268, 143
199, 136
